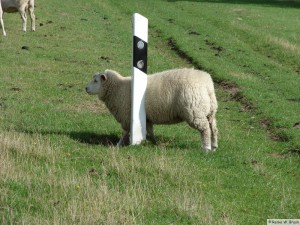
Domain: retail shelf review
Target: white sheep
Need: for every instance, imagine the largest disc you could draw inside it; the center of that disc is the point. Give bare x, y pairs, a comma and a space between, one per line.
20, 6
171, 96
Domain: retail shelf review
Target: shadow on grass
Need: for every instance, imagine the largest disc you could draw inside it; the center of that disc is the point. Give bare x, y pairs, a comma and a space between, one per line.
95, 139
108, 140
275, 3
84, 137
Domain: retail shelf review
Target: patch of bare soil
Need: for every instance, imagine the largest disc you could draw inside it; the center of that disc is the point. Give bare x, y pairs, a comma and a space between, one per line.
276, 134
215, 47
297, 125
172, 43
230, 87
15, 89
236, 94
194, 33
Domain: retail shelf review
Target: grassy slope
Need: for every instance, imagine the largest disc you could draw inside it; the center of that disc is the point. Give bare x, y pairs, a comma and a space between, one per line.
256, 46
56, 165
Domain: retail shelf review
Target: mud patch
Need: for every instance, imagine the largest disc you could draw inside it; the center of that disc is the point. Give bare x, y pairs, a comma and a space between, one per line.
171, 21
297, 125
295, 151
265, 123
105, 58
17, 89
218, 49
236, 95
172, 43
65, 86
194, 33
278, 136
213, 46
229, 87
275, 134
247, 106
294, 99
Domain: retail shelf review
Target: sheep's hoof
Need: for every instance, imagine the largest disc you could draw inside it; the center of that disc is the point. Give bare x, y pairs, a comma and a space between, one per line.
120, 143
207, 150
152, 139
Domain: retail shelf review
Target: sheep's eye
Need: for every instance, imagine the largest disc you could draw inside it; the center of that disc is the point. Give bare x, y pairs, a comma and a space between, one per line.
95, 80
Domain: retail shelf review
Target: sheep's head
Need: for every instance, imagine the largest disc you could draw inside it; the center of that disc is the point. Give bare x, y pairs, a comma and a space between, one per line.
95, 86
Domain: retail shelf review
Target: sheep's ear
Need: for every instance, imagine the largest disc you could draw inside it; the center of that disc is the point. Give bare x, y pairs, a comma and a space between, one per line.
103, 77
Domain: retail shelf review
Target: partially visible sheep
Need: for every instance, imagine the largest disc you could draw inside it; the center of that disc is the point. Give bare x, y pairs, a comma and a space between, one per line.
171, 96
1, 20
20, 6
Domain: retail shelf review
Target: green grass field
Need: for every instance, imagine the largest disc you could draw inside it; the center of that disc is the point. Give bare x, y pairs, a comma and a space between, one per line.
58, 163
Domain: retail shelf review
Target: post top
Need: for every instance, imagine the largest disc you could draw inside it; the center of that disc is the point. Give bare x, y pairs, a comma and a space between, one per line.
140, 26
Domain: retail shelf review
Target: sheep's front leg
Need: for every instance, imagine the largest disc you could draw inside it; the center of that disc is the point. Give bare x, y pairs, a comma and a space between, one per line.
124, 139
214, 133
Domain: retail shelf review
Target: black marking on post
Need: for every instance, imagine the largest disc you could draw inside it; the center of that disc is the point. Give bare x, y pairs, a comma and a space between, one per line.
140, 49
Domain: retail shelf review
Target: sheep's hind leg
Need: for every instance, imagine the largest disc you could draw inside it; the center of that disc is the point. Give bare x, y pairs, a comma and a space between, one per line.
124, 139
202, 125
32, 16
214, 132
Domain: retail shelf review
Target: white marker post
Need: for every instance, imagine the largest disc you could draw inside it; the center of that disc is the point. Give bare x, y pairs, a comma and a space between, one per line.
139, 79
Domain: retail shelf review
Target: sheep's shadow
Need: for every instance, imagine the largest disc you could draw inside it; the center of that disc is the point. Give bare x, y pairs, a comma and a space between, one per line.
94, 139
85, 137
108, 140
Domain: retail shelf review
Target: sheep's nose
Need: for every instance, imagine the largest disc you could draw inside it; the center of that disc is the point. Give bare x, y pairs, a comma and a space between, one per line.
86, 89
